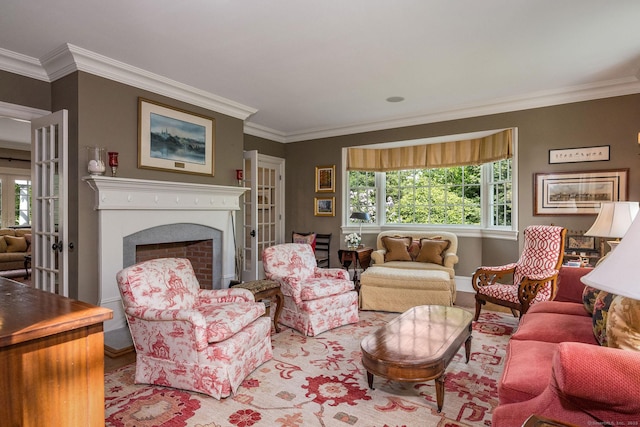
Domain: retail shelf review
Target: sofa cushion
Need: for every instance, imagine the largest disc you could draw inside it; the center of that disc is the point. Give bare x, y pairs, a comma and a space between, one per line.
555, 328
27, 237
3, 245
623, 324
225, 320
16, 244
397, 248
560, 307
600, 314
527, 370
432, 250
7, 232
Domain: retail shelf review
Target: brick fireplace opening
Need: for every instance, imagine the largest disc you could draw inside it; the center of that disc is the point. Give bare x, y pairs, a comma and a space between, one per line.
200, 244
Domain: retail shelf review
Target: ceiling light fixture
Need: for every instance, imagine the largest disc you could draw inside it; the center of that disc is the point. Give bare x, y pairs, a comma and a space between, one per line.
395, 99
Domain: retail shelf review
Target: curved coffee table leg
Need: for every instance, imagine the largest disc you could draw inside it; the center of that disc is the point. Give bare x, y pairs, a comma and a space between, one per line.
440, 392
467, 348
370, 380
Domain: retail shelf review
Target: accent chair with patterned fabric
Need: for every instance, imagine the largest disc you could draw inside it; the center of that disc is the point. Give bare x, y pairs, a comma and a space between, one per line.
189, 338
315, 299
533, 277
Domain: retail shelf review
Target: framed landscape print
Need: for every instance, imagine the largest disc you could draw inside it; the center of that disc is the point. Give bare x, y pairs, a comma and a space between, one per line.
324, 206
174, 140
325, 179
578, 193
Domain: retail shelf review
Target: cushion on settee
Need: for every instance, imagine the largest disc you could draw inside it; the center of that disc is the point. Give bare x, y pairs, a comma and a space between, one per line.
589, 295
559, 307
16, 244
432, 250
3, 245
555, 328
397, 248
623, 324
527, 370
309, 239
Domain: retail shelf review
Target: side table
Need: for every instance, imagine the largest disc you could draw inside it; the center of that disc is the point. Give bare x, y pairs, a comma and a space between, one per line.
356, 257
266, 289
27, 264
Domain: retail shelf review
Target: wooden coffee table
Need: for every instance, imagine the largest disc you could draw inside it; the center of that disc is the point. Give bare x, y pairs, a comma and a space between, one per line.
418, 345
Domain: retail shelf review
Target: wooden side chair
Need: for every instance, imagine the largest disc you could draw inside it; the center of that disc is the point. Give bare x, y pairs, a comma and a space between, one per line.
320, 243
534, 276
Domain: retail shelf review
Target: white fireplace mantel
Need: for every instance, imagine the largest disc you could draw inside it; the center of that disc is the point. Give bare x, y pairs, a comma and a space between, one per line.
126, 206
126, 193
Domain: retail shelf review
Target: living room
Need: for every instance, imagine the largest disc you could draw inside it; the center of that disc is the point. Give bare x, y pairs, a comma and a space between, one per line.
103, 111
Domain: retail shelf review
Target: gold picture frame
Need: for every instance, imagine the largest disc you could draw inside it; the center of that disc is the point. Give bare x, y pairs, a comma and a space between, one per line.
325, 179
175, 140
324, 206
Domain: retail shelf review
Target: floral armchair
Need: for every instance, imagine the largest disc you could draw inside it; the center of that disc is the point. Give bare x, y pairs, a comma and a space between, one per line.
315, 299
190, 338
534, 276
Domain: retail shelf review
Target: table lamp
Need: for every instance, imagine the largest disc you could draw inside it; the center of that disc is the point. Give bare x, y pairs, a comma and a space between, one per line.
361, 216
618, 273
613, 221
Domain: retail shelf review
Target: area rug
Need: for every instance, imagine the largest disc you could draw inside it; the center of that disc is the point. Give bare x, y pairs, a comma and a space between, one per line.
320, 381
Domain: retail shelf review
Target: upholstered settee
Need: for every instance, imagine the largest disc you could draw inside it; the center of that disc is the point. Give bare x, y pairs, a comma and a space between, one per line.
14, 245
574, 361
410, 268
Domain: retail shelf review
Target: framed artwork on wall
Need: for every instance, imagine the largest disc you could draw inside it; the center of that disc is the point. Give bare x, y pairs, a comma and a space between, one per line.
578, 193
324, 206
174, 140
580, 243
325, 179
579, 155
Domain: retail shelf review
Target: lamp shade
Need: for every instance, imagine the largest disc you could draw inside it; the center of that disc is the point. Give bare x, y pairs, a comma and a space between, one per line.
362, 216
614, 219
619, 272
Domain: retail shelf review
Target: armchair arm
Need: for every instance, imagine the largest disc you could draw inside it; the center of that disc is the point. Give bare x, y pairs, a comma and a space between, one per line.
378, 256
450, 260
530, 286
485, 276
331, 273
289, 286
209, 296
598, 378
177, 331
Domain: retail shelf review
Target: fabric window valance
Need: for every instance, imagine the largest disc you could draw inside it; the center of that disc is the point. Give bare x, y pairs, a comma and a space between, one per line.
491, 148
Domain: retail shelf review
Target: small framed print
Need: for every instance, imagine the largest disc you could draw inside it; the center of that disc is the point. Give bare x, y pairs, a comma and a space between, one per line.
324, 206
325, 179
584, 243
579, 155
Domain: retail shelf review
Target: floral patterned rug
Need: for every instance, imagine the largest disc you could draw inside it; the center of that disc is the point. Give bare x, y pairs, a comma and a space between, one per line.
320, 381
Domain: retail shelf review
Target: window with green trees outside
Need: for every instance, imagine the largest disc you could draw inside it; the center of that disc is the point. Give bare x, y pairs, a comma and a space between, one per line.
478, 196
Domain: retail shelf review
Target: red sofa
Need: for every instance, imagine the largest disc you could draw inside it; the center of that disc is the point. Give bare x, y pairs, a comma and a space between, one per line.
556, 367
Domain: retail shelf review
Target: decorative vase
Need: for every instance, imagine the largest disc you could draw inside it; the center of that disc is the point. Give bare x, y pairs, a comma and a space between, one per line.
95, 160
113, 162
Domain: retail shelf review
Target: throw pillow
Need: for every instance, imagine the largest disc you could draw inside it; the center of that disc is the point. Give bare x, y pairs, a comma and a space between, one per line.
432, 250
397, 248
414, 249
16, 244
3, 245
309, 239
623, 325
600, 313
589, 295
27, 237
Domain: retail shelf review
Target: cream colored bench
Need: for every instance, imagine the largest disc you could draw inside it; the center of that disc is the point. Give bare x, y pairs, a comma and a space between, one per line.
396, 282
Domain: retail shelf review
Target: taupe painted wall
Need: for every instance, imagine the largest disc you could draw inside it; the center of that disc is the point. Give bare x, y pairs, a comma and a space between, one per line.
611, 121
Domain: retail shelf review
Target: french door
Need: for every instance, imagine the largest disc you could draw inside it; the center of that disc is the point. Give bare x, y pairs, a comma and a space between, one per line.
49, 172
263, 210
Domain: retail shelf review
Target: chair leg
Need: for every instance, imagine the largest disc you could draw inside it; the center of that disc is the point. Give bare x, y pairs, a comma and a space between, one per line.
479, 305
515, 312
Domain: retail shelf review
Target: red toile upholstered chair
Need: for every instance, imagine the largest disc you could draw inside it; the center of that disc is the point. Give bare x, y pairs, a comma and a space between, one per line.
190, 338
533, 277
315, 299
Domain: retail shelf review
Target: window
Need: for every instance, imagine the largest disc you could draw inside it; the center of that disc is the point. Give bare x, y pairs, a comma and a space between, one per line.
440, 196
15, 200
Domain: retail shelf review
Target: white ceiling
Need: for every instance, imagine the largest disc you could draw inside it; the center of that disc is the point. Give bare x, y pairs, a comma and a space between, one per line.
321, 68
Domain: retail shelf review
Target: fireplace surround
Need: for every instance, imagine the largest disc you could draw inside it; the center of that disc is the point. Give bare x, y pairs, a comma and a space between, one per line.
136, 212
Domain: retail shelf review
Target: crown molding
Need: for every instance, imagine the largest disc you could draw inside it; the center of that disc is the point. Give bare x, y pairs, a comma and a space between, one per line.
23, 65
587, 92
70, 58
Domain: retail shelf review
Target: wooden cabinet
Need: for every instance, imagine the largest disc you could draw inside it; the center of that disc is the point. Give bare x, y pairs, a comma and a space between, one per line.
51, 359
